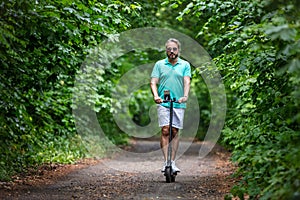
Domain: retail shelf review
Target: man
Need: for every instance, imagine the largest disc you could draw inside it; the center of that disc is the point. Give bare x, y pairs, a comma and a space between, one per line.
173, 74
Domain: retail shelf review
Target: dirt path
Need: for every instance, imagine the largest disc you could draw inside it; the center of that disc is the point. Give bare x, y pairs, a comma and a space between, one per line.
139, 178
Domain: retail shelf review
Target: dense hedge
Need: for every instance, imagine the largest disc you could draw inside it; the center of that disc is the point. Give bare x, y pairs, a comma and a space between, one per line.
255, 45
43, 44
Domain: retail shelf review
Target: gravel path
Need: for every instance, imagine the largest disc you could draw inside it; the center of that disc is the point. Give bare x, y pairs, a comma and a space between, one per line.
137, 176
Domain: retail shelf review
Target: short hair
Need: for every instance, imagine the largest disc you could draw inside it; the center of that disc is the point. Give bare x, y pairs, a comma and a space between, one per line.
175, 41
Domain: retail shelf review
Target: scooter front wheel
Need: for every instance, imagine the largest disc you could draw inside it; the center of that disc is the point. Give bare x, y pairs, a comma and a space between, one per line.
168, 175
173, 178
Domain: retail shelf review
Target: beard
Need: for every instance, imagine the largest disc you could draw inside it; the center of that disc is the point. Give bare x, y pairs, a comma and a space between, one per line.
172, 56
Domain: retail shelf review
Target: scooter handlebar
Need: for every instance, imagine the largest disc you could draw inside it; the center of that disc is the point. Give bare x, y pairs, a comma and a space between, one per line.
174, 101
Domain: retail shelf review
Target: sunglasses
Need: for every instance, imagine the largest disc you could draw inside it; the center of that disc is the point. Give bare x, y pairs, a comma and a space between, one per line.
170, 49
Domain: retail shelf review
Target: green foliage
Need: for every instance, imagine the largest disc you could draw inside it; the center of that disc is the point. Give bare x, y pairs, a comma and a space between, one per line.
43, 44
256, 47
201, 91
137, 103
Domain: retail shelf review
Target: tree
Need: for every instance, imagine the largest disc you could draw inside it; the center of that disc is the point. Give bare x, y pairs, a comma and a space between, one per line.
256, 47
43, 45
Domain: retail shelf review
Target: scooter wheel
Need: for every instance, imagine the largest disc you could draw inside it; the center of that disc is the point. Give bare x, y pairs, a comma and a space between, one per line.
173, 178
168, 175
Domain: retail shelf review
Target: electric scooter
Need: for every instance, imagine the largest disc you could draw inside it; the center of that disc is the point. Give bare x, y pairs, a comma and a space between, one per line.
169, 174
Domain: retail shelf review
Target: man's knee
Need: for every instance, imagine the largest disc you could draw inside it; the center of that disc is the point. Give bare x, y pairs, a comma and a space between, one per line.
174, 131
165, 131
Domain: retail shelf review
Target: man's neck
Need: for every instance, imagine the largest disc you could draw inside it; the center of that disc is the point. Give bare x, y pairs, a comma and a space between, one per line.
173, 61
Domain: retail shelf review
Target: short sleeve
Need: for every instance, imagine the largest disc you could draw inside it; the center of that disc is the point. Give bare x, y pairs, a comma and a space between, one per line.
155, 72
187, 70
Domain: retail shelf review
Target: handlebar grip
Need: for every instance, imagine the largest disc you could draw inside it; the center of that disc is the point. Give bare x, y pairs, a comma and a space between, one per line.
166, 101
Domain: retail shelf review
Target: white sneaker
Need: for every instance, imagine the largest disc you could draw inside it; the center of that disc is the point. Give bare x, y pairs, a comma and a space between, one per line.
164, 167
174, 168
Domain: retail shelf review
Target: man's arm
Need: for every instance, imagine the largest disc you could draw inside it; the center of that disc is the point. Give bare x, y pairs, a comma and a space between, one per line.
153, 86
186, 89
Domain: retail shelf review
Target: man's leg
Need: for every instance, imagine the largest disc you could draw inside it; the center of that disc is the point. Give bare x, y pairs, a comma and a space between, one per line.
175, 142
164, 141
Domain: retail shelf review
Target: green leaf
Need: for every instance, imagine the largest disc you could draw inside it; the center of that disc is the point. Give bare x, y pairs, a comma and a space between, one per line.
282, 32
294, 66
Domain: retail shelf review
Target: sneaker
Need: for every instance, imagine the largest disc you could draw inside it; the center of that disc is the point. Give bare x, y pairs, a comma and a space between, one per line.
164, 167
174, 168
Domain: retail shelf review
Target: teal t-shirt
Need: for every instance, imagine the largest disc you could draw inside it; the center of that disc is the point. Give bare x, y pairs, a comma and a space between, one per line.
171, 78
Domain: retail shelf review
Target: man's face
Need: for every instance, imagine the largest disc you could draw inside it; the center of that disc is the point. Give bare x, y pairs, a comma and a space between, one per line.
172, 50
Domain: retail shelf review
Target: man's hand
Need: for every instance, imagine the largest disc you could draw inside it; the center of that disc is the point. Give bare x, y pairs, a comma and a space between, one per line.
158, 100
183, 99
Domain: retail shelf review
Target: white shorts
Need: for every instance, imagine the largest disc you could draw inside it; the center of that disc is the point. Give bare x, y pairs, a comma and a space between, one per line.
164, 116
